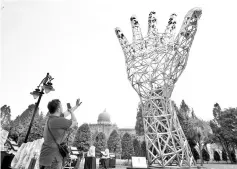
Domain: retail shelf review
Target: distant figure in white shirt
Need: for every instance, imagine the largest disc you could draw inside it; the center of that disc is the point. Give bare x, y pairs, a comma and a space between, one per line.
106, 155
104, 158
91, 152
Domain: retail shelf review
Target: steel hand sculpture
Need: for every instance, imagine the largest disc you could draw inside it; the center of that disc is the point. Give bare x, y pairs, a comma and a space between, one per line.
154, 64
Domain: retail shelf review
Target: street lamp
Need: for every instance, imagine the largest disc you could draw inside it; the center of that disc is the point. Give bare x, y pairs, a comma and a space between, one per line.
46, 86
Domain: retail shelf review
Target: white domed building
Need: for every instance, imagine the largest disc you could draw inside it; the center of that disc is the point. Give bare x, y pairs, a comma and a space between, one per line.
104, 125
104, 118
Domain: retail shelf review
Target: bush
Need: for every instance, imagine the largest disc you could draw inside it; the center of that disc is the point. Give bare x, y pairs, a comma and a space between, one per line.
224, 155
143, 149
233, 156
114, 142
137, 148
127, 146
83, 138
216, 156
205, 155
195, 154
100, 141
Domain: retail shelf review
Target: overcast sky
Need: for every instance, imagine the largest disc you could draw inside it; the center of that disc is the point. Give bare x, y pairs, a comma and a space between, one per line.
75, 42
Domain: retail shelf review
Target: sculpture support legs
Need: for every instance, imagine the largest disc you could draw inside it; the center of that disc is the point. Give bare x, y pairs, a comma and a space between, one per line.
165, 139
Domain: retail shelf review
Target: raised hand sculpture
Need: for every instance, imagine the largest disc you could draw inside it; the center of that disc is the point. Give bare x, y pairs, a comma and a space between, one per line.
154, 64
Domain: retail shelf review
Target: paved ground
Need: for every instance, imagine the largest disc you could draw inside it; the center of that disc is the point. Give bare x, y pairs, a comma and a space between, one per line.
213, 165
205, 166
220, 166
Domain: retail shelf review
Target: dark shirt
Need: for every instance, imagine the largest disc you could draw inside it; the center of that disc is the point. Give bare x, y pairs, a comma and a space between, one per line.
49, 149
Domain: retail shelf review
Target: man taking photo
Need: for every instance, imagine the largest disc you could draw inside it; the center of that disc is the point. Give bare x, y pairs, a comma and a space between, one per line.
56, 129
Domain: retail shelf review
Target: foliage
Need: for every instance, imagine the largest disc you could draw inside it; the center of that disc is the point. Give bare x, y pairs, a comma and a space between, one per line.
100, 141
217, 156
93, 136
197, 131
20, 126
36, 131
206, 156
72, 135
233, 156
5, 117
137, 147
139, 127
183, 114
143, 149
224, 155
224, 127
82, 139
127, 146
202, 136
114, 142
195, 154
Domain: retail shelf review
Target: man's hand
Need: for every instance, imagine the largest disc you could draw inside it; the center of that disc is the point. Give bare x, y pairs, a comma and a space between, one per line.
78, 102
71, 110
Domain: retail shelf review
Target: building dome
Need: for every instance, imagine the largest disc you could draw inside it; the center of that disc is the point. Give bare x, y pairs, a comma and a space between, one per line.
104, 118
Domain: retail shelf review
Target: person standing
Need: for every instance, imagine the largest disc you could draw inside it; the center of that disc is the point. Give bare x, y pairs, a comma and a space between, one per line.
50, 157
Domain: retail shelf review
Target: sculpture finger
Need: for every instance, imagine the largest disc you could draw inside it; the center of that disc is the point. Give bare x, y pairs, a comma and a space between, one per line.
184, 40
122, 39
152, 22
190, 22
188, 30
170, 28
136, 30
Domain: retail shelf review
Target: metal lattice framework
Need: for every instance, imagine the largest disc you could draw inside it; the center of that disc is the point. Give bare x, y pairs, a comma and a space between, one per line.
154, 64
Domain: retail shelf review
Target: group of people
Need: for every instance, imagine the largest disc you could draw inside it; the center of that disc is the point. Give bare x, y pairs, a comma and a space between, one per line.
104, 155
56, 131
93, 151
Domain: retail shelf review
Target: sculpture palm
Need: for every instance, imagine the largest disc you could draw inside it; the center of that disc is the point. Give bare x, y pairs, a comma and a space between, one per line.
154, 64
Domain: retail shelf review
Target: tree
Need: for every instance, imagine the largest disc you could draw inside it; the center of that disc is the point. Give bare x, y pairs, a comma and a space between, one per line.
36, 131
233, 156
82, 141
206, 156
13, 133
184, 107
216, 156
100, 141
183, 115
114, 142
143, 149
93, 136
195, 154
186, 121
139, 127
20, 126
127, 146
72, 135
224, 127
137, 147
224, 155
201, 135
16, 129
5, 117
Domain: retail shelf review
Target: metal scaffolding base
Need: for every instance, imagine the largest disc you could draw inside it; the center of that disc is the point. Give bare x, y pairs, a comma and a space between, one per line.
165, 140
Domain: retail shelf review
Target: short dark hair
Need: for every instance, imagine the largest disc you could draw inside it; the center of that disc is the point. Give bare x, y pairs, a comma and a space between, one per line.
53, 105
